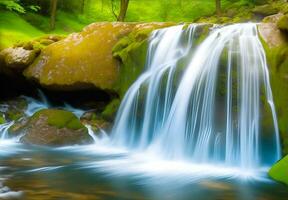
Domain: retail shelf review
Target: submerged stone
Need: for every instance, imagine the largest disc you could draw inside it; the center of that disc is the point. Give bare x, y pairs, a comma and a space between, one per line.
279, 171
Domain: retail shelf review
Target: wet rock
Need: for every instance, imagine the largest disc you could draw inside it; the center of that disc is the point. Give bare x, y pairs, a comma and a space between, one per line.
95, 120
279, 171
13, 109
54, 128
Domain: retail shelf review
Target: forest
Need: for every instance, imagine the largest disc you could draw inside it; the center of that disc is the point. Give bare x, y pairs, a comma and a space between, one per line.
31, 18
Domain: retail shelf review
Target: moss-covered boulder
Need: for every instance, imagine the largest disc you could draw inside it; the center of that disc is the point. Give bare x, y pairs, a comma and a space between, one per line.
276, 48
279, 171
83, 60
283, 23
52, 127
265, 10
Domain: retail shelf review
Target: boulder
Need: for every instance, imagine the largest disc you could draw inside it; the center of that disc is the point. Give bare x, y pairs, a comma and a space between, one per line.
265, 10
279, 171
83, 60
270, 33
52, 127
16, 58
283, 23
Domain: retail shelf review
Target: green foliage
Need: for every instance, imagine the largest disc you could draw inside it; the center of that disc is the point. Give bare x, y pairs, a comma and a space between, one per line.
12, 5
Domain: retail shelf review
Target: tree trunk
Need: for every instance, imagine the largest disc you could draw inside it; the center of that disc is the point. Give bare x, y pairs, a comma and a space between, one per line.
53, 6
123, 10
218, 7
82, 6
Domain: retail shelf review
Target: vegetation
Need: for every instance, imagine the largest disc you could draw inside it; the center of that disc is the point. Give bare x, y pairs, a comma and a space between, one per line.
22, 20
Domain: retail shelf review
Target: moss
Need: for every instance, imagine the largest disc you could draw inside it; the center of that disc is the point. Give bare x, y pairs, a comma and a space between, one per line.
283, 23
59, 118
279, 171
131, 52
2, 120
265, 10
111, 109
277, 59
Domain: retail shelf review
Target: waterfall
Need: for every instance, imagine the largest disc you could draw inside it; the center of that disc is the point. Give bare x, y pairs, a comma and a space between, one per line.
208, 109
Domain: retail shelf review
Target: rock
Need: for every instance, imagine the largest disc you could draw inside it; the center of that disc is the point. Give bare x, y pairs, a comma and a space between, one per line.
95, 120
272, 18
18, 58
110, 110
131, 52
13, 109
279, 171
283, 23
265, 10
271, 34
54, 128
276, 48
83, 60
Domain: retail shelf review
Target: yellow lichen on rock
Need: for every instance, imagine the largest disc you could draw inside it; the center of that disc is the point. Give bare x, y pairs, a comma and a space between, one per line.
85, 60
82, 60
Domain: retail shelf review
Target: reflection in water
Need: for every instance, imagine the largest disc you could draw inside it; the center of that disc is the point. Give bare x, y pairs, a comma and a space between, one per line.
98, 172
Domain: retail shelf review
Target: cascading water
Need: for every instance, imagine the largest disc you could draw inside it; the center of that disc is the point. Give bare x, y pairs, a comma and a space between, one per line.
212, 113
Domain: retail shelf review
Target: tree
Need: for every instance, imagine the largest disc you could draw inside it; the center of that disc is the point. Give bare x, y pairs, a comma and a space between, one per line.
218, 7
82, 6
53, 7
123, 10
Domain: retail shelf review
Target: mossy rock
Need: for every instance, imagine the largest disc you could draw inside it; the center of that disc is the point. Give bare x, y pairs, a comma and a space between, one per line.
265, 10
13, 109
59, 119
110, 110
82, 60
283, 23
52, 127
131, 52
95, 121
276, 48
279, 171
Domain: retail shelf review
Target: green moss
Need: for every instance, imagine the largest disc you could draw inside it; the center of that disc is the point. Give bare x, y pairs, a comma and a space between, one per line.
283, 23
131, 51
277, 59
59, 118
279, 171
2, 120
111, 109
